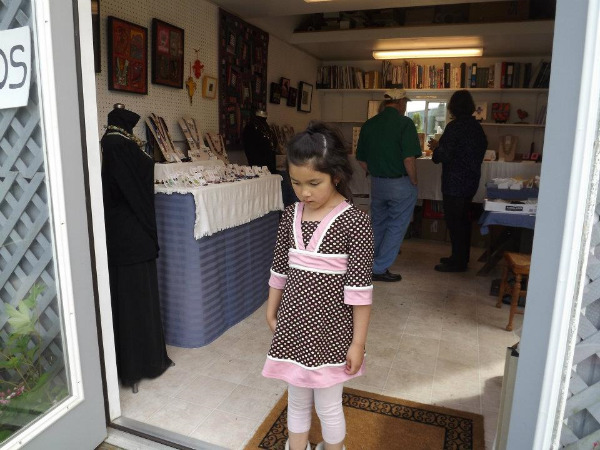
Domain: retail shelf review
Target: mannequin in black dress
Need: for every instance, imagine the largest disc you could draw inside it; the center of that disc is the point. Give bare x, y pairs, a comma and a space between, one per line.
259, 145
259, 142
132, 245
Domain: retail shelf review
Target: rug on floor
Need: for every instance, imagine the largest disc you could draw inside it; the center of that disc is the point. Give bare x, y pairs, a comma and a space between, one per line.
376, 422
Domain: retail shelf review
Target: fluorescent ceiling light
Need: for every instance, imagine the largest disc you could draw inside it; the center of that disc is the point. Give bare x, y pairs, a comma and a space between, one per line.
428, 53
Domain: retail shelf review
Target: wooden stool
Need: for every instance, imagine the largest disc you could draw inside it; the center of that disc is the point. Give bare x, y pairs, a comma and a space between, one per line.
518, 264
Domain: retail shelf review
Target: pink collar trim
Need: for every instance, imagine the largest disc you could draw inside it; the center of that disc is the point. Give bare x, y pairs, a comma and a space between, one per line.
317, 237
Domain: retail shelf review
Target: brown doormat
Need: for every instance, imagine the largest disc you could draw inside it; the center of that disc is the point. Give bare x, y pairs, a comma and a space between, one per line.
376, 422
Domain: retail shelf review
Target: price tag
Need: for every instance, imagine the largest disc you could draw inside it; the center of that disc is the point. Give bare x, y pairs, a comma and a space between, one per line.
15, 67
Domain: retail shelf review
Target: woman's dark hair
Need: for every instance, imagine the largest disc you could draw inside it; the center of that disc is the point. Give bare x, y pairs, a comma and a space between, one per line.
461, 104
322, 147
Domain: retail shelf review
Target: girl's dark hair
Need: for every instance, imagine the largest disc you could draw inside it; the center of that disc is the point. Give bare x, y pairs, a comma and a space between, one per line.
324, 148
461, 104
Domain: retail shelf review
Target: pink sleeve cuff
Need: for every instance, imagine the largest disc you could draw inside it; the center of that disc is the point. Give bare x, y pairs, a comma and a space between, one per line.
358, 295
277, 280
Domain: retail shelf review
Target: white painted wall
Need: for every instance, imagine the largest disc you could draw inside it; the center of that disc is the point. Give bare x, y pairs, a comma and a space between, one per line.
289, 62
199, 19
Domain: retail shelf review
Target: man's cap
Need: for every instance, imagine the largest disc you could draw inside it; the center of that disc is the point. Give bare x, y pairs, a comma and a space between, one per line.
261, 113
395, 94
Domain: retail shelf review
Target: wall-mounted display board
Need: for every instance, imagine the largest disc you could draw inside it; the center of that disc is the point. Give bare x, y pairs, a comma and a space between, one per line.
243, 51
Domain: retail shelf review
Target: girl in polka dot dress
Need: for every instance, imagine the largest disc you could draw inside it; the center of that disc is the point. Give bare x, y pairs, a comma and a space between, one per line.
320, 288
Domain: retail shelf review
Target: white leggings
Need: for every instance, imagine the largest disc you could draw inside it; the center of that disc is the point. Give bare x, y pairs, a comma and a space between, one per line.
328, 403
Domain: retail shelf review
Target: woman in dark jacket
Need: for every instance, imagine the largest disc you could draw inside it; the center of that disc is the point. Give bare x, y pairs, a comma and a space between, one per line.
460, 150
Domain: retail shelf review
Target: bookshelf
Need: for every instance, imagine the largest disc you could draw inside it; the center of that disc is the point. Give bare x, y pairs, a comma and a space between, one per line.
347, 108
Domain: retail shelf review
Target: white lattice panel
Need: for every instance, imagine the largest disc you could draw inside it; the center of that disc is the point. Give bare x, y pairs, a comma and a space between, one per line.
581, 427
199, 20
26, 249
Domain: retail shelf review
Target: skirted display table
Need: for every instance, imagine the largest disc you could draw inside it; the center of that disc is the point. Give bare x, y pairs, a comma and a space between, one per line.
216, 248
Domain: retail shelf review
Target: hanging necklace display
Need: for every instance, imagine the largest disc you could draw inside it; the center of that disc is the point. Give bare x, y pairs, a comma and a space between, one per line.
191, 85
217, 145
113, 130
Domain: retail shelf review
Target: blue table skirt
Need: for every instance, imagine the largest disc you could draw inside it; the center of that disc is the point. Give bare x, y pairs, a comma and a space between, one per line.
208, 285
510, 220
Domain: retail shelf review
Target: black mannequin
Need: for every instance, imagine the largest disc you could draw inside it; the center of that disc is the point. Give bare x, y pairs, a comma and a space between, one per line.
132, 247
259, 142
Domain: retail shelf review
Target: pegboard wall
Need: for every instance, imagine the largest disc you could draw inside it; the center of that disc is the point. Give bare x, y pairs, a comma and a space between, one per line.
199, 20
289, 62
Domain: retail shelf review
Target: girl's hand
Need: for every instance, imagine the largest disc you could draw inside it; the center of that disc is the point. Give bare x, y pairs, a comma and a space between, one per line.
272, 322
354, 358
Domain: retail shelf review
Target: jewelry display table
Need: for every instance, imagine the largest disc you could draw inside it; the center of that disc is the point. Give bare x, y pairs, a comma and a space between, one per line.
430, 176
164, 171
209, 284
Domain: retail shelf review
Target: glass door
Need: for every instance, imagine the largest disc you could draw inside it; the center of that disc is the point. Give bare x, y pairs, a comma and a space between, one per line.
50, 386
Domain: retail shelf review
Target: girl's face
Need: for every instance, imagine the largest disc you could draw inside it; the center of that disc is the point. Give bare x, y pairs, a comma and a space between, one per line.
315, 189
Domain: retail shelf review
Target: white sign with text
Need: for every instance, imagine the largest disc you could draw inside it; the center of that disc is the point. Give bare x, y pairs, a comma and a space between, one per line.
15, 67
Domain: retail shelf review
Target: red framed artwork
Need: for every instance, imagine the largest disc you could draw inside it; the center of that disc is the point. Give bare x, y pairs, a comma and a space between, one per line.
167, 54
127, 56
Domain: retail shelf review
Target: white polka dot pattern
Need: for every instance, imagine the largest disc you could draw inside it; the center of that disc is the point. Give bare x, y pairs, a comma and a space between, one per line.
314, 325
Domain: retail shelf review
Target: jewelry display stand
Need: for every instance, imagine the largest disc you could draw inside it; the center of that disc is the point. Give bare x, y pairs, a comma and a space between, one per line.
508, 145
198, 151
160, 132
217, 146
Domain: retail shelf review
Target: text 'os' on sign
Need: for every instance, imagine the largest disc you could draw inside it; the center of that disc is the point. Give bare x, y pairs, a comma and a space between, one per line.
15, 67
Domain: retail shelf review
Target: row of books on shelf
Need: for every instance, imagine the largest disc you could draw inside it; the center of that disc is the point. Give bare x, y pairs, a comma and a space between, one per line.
410, 75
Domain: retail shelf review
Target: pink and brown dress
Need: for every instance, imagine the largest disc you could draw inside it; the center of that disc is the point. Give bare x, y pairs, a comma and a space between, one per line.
323, 268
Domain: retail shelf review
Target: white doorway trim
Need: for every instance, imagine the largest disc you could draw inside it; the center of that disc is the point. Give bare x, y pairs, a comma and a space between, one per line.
558, 253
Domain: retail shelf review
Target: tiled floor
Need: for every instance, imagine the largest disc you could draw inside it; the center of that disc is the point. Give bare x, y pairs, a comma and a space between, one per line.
434, 338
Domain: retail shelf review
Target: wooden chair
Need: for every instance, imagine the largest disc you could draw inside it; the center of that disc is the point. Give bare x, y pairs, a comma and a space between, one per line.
517, 264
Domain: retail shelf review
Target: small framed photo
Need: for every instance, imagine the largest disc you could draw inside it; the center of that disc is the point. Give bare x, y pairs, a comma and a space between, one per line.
167, 54
480, 113
209, 87
304, 96
292, 96
127, 56
285, 87
275, 96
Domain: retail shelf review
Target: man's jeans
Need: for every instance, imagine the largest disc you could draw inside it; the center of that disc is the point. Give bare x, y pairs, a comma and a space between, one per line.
392, 204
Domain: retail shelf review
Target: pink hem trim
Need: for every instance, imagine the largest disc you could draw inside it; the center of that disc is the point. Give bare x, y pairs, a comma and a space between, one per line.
358, 297
297, 375
277, 281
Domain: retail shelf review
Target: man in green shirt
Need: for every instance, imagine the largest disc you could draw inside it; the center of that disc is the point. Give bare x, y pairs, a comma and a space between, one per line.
387, 148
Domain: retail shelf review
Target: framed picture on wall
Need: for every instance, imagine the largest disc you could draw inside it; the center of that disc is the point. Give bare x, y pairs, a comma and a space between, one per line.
305, 91
96, 34
275, 96
285, 87
167, 54
209, 87
127, 56
292, 96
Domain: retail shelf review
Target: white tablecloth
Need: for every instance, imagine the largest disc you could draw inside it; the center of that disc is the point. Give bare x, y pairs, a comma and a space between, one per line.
227, 205
430, 177
164, 171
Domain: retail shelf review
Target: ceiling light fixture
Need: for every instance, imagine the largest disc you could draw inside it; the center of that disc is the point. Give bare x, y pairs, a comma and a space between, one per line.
428, 53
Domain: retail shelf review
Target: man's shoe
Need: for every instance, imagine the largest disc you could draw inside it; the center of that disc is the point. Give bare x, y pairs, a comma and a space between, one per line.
387, 276
450, 268
446, 260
